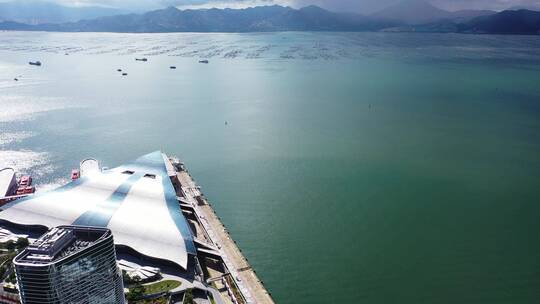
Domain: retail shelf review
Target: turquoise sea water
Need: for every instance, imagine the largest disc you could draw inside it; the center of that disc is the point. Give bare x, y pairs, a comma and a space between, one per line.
353, 168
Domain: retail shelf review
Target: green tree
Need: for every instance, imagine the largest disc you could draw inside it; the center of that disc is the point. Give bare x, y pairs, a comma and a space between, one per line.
21, 243
12, 278
126, 278
136, 291
3, 270
188, 298
10, 245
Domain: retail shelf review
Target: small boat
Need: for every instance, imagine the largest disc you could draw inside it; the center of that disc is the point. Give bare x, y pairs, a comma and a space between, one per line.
124, 74
37, 63
141, 59
20, 190
75, 174
204, 61
29, 190
172, 67
8, 182
25, 190
16, 79
26, 180
119, 70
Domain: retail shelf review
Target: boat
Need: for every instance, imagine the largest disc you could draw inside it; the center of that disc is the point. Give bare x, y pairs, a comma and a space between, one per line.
172, 67
37, 63
22, 190
8, 182
25, 185
119, 70
204, 61
75, 174
141, 59
26, 180
29, 190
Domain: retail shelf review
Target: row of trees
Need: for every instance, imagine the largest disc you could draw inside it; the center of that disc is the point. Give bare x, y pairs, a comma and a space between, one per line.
11, 248
136, 288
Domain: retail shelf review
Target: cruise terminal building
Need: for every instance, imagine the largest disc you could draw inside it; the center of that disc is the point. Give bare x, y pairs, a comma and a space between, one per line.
137, 202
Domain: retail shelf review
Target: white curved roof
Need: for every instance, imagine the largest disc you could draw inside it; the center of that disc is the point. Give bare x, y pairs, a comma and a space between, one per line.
89, 165
137, 202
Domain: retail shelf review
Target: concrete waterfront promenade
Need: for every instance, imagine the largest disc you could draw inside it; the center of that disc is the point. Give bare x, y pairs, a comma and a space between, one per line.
251, 288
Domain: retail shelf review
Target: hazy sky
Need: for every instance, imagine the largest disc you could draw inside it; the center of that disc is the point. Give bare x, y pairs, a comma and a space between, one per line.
360, 6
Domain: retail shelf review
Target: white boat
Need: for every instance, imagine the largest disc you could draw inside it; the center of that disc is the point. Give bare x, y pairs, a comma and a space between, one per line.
8, 182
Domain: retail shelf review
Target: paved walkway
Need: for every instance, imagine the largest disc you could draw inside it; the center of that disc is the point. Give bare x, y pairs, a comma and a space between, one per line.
187, 284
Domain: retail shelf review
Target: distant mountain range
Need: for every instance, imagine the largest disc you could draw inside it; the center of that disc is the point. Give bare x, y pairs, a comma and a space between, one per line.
421, 12
506, 22
256, 19
412, 15
39, 12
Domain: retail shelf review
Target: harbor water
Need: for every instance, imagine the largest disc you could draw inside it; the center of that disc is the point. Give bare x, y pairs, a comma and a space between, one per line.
349, 167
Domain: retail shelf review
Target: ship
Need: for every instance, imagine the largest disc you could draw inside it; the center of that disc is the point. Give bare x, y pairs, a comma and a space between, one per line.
8, 182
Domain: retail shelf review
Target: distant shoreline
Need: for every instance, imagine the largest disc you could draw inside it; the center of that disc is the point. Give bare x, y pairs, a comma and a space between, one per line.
276, 32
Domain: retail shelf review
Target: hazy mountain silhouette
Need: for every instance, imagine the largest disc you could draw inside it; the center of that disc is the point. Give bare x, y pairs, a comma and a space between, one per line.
36, 12
311, 18
261, 18
412, 11
421, 12
506, 22
530, 7
466, 15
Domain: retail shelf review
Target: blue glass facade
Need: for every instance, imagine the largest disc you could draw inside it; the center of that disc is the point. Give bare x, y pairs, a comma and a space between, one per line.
85, 271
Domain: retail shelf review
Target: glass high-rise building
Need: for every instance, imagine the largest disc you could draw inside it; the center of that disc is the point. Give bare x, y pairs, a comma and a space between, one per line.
70, 264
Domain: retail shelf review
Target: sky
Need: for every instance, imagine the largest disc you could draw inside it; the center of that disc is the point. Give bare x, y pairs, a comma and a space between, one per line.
357, 6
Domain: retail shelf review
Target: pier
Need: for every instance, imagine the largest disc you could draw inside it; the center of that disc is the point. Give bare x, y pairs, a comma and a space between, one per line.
206, 259
240, 282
